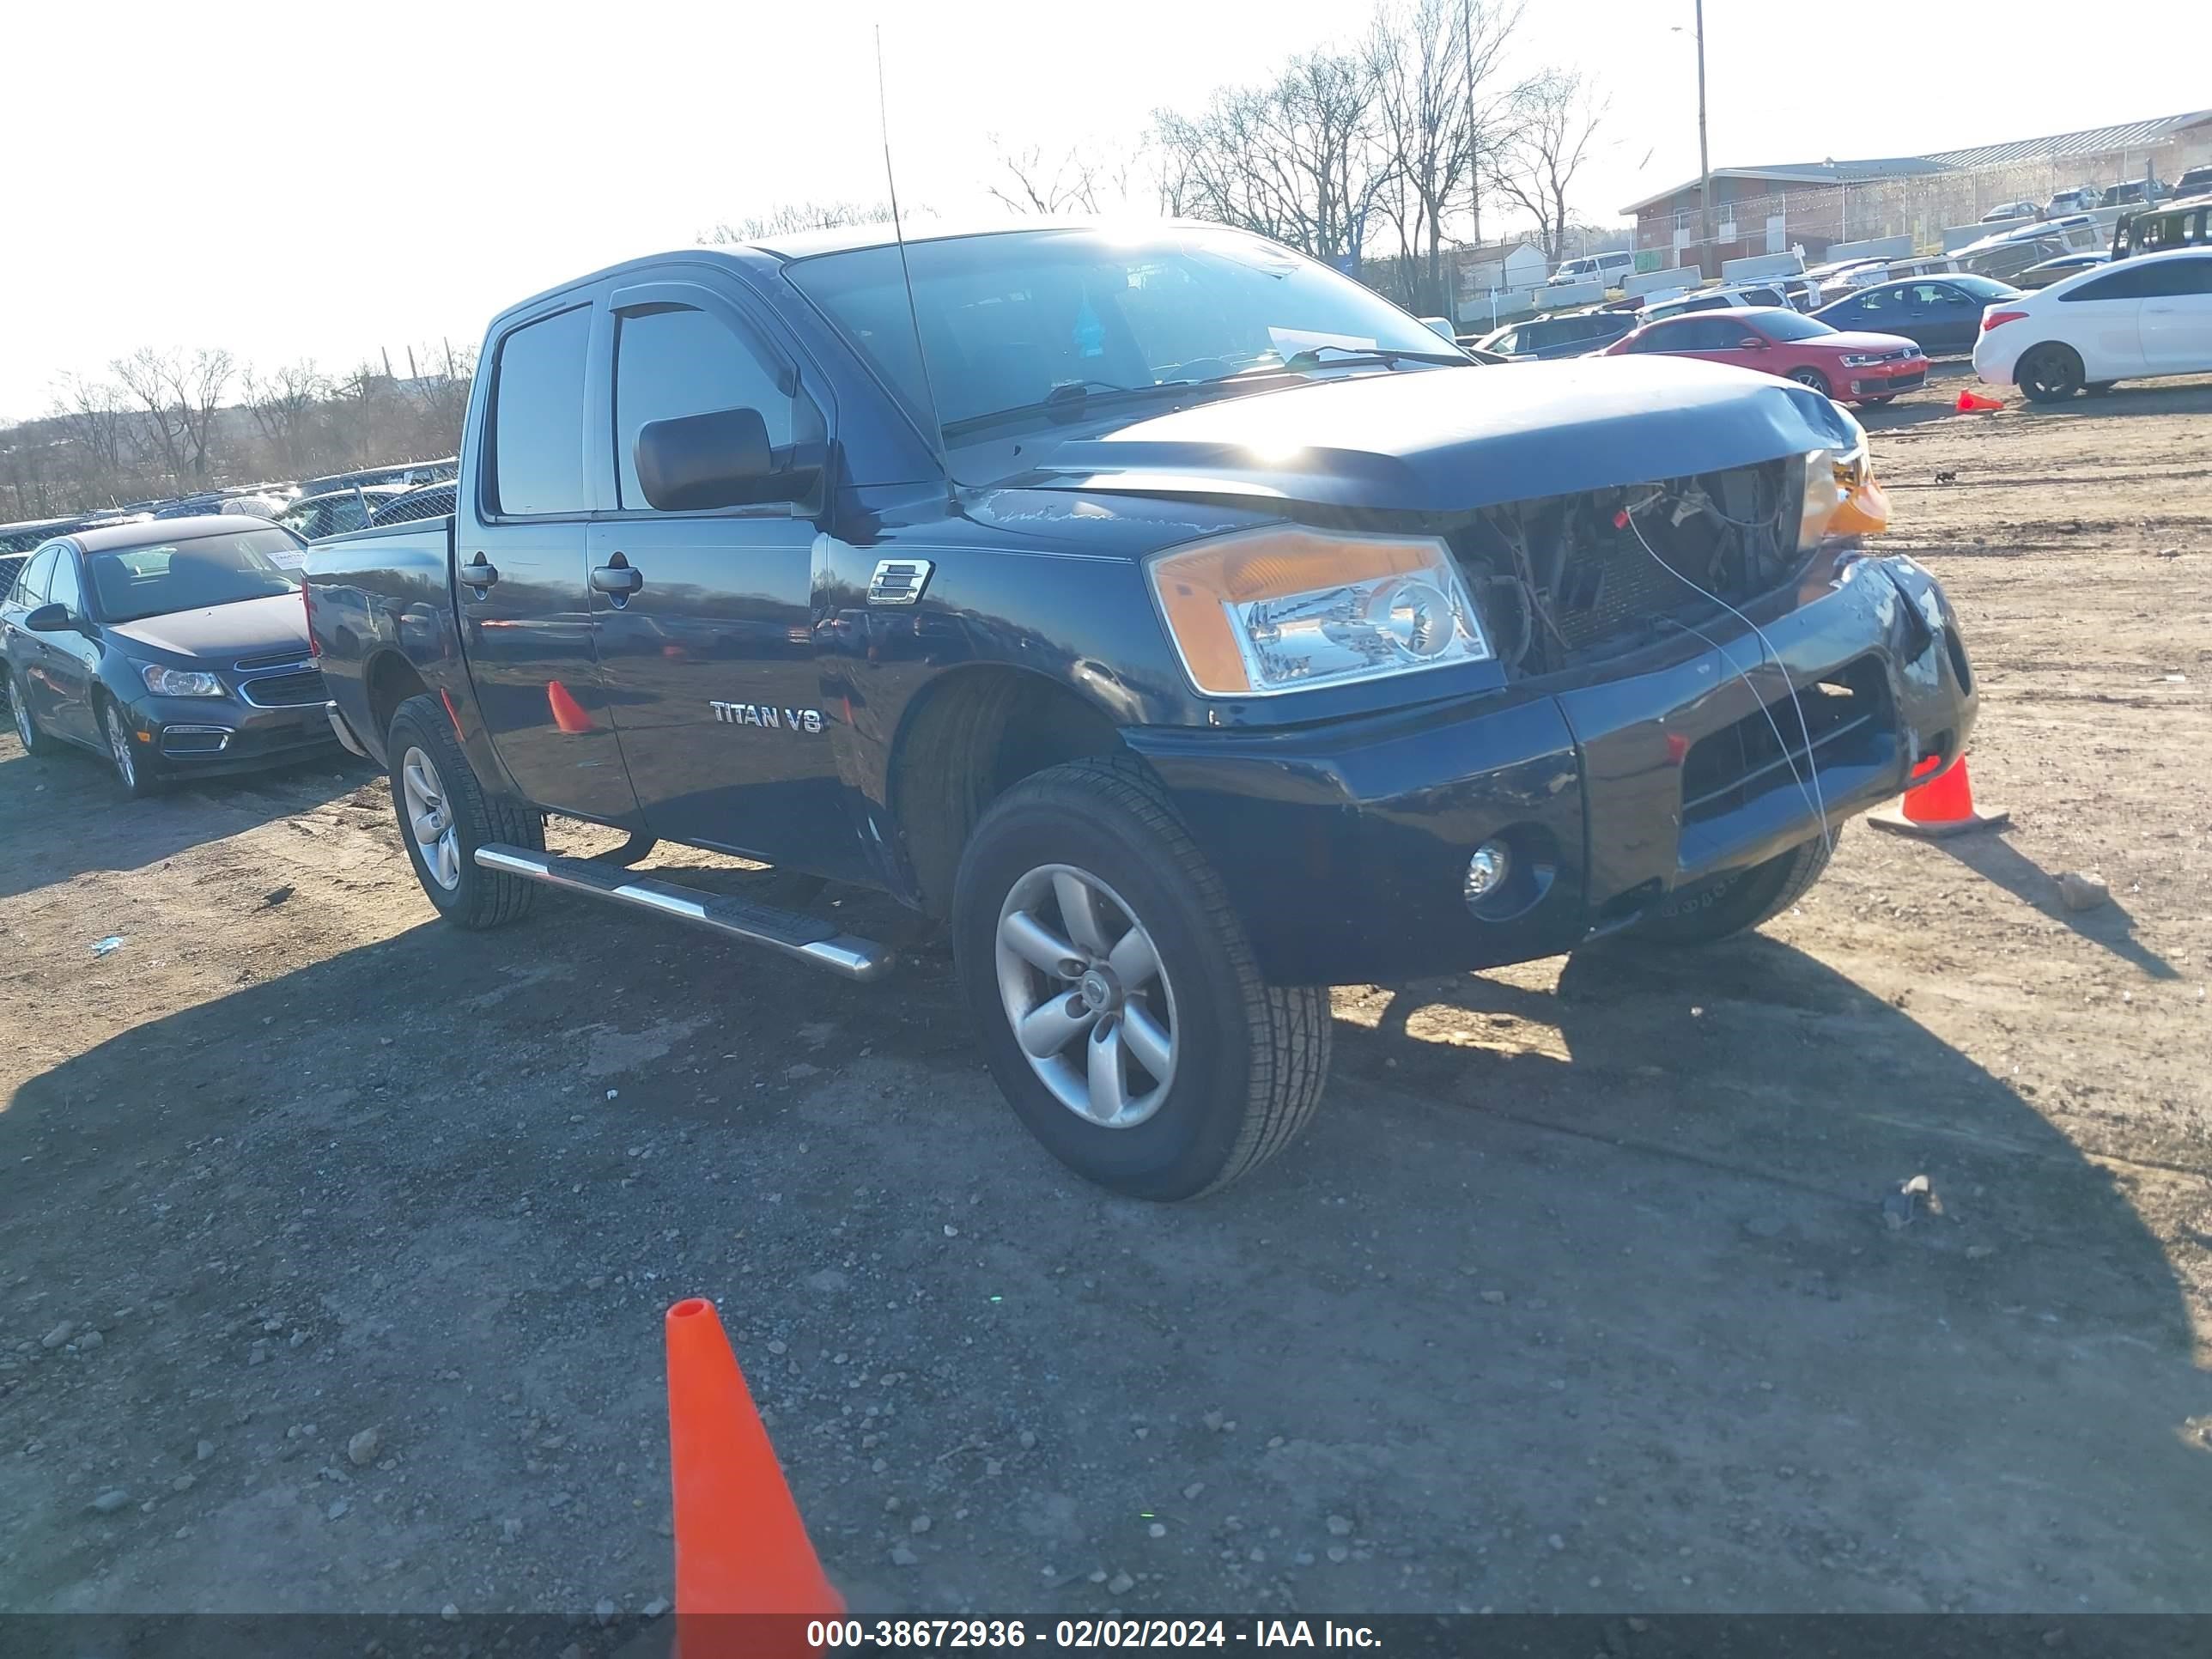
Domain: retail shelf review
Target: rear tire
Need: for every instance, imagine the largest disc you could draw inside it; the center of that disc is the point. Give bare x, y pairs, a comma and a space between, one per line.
1165, 980
430, 773
29, 732
1722, 906
2048, 374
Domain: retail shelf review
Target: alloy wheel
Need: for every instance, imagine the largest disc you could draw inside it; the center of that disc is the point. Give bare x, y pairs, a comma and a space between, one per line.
119, 746
430, 819
1087, 995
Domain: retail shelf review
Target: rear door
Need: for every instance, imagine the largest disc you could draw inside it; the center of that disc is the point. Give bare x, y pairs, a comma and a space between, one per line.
26, 653
527, 620
710, 656
2177, 316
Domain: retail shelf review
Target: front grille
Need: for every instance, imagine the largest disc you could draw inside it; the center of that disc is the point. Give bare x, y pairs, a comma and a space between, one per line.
286, 691
1619, 586
1848, 716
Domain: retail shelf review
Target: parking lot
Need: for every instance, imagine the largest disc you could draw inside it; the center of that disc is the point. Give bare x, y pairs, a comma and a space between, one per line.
336, 1242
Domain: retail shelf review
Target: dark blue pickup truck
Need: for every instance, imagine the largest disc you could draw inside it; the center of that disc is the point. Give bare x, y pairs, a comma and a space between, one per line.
1181, 624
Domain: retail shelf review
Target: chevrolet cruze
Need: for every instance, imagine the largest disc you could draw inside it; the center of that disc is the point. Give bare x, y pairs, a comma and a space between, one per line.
171, 648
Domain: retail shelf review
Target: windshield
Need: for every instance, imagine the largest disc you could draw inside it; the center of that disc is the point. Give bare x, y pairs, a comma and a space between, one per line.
1983, 288
133, 583
1790, 325
1011, 320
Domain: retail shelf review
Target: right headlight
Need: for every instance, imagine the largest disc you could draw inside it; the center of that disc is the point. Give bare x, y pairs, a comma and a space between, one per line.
1288, 606
164, 682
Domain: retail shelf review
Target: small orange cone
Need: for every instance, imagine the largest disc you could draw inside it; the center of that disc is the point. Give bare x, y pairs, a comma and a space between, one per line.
740, 1545
1971, 402
568, 713
1942, 804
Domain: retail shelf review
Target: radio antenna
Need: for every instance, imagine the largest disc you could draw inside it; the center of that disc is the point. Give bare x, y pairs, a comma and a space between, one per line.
898, 236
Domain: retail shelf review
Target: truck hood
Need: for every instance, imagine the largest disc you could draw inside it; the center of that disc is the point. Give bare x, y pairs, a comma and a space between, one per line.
1451, 440
220, 632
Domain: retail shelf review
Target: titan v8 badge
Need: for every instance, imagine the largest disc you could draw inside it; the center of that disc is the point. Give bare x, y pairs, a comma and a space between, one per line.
754, 714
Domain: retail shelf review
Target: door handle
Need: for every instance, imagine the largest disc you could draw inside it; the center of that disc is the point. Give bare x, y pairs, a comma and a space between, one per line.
479, 572
616, 577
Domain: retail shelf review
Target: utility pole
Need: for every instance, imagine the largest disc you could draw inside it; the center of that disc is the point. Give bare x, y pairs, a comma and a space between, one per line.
1705, 167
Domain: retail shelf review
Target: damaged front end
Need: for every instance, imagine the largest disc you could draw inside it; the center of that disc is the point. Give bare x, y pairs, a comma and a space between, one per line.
1566, 582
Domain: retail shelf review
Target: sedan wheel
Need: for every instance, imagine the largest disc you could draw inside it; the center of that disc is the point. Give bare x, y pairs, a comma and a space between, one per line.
1811, 378
1086, 995
121, 755
429, 819
2048, 373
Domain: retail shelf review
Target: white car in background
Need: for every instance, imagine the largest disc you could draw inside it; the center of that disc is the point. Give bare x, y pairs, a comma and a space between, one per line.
2122, 321
1607, 267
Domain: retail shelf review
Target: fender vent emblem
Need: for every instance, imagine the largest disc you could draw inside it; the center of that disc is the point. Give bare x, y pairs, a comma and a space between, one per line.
899, 581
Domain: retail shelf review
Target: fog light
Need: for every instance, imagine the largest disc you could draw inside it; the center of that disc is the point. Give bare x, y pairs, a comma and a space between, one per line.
1486, 870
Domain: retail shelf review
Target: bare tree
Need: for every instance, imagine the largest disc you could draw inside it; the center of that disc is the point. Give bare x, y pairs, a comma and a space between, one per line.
282, 404
1436, 65
180, 396
1558, 117
1068, 182
1298, 159
94, 422
794, 216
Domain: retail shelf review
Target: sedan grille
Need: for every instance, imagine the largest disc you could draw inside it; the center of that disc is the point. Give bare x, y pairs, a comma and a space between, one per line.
286, 691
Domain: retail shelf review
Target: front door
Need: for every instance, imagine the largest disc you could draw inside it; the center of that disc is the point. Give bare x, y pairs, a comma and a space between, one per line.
71, 660
528, 619
2177, 318
706, 619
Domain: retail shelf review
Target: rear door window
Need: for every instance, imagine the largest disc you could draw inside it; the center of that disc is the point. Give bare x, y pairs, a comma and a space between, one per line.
537, 417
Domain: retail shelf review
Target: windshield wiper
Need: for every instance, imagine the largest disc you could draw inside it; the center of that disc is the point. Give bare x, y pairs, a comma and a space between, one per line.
1389, 357
1070, 401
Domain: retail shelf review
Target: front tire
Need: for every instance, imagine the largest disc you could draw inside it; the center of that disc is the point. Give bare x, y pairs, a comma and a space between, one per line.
1722, 906
446, 814
2048, 374
1812, 380
130, 773
1121, 1012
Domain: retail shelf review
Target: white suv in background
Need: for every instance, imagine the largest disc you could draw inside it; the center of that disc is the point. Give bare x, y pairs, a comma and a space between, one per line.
2144, 316
1607, 267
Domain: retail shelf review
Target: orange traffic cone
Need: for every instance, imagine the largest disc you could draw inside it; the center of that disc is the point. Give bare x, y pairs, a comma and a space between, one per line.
740, 1545
1970, 402
1942, 804
568, 713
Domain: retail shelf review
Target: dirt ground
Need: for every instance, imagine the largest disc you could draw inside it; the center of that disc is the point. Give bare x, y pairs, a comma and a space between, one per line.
1580, 1294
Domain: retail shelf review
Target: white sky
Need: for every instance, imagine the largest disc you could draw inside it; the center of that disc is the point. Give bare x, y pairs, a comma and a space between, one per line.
288, 179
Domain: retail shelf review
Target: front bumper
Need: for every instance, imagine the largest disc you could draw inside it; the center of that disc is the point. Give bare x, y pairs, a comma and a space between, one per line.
186, 737
1344, 847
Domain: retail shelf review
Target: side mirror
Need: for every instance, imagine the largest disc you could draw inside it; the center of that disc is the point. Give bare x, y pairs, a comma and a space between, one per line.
720, 458
50, 619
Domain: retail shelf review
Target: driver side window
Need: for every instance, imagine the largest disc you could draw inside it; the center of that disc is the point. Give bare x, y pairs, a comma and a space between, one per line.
672, 360
31, 586
63, 590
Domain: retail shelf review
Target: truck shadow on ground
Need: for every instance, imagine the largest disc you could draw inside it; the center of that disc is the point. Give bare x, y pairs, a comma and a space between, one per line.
1606, 1262
106, 832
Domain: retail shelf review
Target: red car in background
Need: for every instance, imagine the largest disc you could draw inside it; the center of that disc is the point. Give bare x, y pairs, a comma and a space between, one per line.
1853, 368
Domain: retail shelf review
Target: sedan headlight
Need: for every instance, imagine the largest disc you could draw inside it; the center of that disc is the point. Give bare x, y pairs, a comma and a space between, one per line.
1861, 359
1288, 607
179, 682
